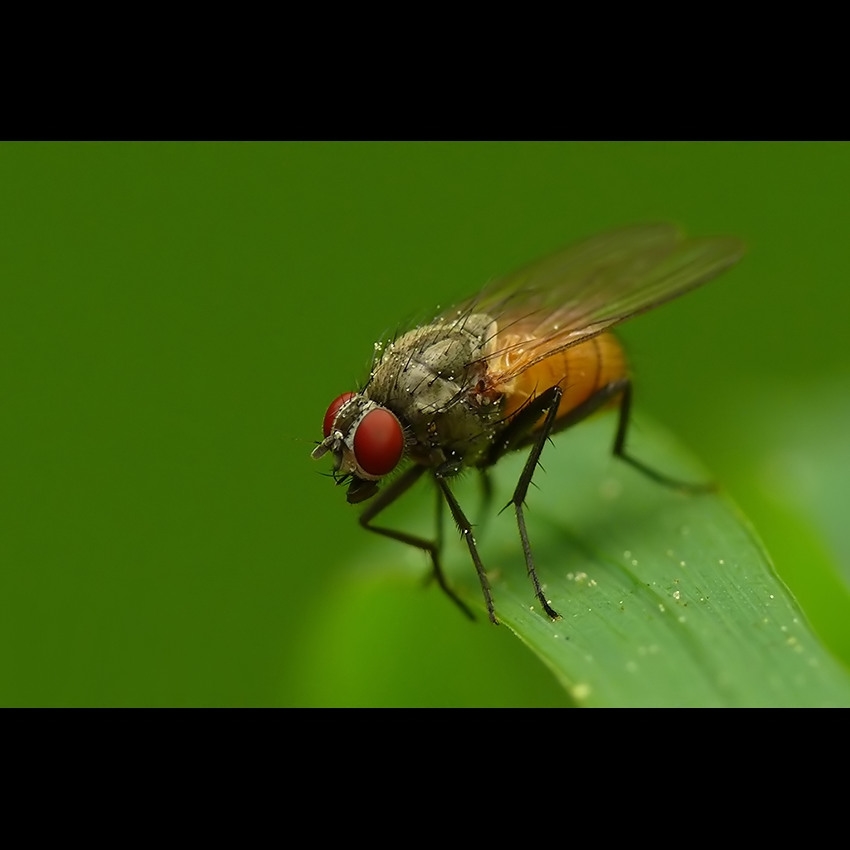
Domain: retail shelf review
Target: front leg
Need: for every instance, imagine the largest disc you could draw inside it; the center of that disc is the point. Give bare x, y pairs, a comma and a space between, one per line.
385, 498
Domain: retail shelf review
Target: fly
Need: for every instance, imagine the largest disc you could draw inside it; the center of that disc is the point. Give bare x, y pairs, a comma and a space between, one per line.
529, 356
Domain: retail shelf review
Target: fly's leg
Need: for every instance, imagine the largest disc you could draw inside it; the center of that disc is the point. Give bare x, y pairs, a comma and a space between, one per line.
465, 528
547, 402
519, 431
438, 537
385, 498
522, 430
625, 388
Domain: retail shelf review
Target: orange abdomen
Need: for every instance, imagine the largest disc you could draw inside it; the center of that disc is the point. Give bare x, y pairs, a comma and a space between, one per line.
580, 371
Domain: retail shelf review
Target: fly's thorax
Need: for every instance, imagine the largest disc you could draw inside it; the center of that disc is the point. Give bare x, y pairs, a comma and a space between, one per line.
430, 378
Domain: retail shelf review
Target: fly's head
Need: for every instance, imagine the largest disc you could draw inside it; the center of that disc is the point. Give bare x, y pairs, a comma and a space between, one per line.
366, 440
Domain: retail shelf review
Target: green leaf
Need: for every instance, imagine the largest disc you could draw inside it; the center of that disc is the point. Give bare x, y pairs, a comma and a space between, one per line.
666, 599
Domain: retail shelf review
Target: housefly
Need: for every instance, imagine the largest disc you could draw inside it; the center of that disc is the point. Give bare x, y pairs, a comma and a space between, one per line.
528, 356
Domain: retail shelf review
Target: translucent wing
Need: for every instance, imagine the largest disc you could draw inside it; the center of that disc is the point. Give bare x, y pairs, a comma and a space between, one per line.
579, 292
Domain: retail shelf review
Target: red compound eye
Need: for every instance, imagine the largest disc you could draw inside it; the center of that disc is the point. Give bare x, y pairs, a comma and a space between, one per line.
378, 442
336, 404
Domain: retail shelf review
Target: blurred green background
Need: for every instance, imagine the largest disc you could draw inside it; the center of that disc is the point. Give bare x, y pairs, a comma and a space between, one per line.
177, 317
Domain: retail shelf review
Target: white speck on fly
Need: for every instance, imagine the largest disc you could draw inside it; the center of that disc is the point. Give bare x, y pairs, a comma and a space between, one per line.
677, 594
